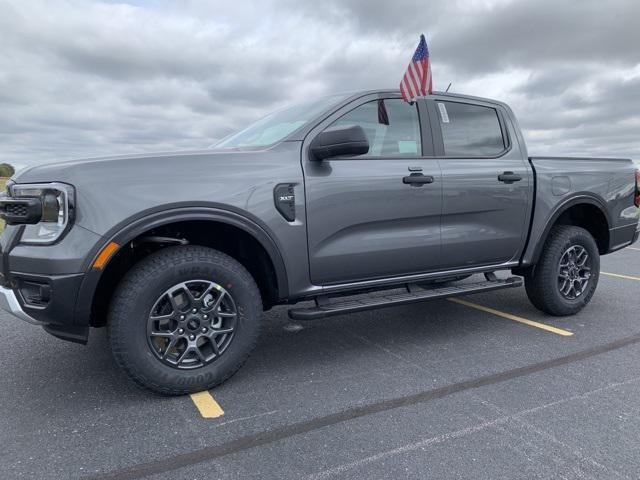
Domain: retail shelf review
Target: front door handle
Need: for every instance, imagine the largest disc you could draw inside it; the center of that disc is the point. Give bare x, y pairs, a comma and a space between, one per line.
509, 177
417, 179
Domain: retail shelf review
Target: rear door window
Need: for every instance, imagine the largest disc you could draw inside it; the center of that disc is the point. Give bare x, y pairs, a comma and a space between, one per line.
470, 130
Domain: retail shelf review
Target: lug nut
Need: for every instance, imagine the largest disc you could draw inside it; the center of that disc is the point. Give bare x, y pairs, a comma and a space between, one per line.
204, 329
181, 331
194, 310
181, 317
192, 337
205, 316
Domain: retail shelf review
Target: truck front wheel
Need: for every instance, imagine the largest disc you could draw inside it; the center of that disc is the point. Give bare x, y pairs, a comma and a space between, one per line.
566, 275
184, 319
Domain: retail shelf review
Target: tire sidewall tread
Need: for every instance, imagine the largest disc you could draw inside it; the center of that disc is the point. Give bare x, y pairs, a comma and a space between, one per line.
138, 291
541, 283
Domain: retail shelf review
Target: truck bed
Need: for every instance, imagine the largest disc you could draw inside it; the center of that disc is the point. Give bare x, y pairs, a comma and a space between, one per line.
604, 159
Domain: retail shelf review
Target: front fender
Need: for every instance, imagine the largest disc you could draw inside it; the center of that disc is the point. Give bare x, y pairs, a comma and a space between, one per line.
131, 228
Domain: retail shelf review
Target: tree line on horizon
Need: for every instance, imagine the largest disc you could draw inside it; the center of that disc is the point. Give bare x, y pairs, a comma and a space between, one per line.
6, 170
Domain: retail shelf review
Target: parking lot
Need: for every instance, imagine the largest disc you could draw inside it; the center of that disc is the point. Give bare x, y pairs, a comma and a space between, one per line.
484, 388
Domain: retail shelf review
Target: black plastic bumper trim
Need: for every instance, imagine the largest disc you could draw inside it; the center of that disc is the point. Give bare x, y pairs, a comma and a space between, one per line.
70, 333
63, 291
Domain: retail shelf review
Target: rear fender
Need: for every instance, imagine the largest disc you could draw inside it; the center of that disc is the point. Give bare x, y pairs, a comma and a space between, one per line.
553, 218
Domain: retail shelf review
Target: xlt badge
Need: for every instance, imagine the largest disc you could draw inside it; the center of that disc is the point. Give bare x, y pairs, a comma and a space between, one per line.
285, 200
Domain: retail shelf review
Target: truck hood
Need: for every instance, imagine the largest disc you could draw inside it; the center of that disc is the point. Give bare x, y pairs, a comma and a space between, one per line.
74, 170
112, 190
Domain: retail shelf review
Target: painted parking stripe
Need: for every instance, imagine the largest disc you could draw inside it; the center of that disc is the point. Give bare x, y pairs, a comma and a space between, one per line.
617, 275
207, 405
634, 248
508, 316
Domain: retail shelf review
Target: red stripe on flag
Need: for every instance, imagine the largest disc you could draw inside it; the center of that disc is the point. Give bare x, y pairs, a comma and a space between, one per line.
402, 92
407, 86
421, 76
418, 67
425, 73
414, 83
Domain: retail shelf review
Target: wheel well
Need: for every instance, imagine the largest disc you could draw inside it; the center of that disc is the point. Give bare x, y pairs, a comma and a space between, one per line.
590, 218
229, 239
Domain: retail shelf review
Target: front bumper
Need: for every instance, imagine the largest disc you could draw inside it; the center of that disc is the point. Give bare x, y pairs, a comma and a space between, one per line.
9, 303
57, 315
36, 286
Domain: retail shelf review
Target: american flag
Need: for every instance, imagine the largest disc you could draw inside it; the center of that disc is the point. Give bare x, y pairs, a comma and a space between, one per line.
417, 79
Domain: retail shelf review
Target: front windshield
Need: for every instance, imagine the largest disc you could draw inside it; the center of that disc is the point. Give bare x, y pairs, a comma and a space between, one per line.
277, 125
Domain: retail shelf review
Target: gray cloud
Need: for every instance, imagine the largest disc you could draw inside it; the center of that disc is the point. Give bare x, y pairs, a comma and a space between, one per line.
85, 78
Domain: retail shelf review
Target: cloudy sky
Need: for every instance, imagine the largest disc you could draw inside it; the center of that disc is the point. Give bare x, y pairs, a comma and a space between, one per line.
87, 78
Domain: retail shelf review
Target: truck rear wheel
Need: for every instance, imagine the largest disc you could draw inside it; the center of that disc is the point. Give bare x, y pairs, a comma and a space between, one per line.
184, 319
566, 275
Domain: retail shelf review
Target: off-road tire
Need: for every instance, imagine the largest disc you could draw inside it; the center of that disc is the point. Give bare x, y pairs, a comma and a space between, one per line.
541, 282
134, 299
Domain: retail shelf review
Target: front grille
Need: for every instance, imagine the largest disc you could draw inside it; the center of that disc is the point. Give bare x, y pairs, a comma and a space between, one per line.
17, 209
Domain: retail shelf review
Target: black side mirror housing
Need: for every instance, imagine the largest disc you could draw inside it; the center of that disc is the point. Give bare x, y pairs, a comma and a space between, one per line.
339, 140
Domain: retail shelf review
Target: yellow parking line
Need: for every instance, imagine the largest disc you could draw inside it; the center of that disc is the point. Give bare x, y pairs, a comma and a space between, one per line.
617, 275
207, 405
531, 323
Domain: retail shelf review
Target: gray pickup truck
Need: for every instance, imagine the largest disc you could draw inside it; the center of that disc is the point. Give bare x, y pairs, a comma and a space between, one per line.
346, 202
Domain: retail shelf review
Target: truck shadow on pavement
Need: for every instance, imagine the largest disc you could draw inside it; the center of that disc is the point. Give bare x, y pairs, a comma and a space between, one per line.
71, 376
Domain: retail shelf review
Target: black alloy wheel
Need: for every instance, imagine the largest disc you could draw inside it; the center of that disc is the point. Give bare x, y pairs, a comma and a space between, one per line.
191, 324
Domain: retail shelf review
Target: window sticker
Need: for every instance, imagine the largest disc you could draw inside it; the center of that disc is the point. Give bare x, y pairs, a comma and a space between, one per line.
443, 113
408, 147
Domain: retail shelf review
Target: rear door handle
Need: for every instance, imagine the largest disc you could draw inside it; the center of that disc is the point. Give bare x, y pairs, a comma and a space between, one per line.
417, 179
509, 177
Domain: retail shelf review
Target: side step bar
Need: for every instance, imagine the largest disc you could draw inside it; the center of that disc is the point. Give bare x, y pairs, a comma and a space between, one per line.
413, 294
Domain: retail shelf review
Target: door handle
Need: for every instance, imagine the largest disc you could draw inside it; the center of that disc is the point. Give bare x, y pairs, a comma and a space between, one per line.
509, 177
417, 179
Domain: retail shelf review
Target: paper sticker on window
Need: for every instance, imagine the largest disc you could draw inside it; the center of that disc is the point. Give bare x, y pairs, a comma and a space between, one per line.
443, 113
408, 147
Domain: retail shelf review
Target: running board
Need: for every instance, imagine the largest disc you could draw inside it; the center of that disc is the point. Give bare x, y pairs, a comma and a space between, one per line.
413, 294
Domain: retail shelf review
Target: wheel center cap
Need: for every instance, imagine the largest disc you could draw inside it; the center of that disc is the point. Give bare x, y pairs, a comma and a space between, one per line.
193, 324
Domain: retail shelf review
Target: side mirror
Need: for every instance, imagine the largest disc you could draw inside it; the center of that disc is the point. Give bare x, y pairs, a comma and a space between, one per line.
339, 140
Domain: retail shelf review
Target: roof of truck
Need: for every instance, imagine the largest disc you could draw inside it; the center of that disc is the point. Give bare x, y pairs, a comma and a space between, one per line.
436, 93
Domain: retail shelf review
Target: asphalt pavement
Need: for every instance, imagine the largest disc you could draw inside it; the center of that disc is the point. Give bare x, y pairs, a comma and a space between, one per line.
484, 389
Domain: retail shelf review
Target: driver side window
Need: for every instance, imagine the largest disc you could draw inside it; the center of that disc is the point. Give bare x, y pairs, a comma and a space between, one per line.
391, 125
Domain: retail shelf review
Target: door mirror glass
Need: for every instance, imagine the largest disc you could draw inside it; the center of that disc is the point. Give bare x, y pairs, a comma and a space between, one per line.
339, 140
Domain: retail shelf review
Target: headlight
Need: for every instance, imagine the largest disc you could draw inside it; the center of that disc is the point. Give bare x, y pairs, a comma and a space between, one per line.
57, 210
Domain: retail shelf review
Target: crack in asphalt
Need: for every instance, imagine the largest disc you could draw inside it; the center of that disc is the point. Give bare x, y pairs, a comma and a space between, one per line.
259, 439
498, 423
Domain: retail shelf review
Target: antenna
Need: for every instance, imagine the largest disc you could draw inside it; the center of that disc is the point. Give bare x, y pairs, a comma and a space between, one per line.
448, 88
